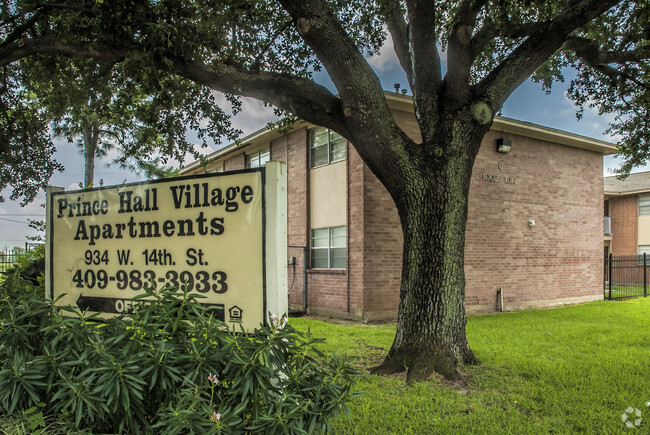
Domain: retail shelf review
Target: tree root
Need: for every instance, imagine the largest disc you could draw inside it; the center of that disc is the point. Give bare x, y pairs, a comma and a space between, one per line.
389, 366
419, 365
470, 359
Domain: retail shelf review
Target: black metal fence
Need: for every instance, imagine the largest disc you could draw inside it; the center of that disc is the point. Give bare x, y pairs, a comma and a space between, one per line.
8, 257
626, 276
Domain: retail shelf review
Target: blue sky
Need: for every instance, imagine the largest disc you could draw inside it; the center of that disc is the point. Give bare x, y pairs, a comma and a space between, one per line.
528, 103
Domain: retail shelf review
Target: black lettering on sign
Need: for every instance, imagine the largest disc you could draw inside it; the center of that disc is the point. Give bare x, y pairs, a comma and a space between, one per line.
195, 257
81, 208
123, 256
199, 195
129, 306
130, 203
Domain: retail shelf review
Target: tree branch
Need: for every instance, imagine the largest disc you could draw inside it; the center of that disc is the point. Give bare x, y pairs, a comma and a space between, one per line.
301, 96
399, 32
425, 61
459, 59
536, 49
18, 32
324, 34
27, 47
362, 97
489, 31
589, 52
265, 49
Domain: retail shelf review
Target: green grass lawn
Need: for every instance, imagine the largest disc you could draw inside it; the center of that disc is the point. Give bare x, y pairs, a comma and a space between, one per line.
567, 370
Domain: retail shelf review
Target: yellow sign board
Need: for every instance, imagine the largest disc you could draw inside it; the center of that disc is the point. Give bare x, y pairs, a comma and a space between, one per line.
205, 231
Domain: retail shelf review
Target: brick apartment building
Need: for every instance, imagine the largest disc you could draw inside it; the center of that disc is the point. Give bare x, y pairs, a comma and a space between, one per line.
627, 215
534, 227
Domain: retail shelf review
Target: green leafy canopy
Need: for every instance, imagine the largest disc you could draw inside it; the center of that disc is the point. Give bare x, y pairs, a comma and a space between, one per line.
144, 70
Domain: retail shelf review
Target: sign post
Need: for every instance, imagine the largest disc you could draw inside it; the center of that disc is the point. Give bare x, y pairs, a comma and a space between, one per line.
222, 235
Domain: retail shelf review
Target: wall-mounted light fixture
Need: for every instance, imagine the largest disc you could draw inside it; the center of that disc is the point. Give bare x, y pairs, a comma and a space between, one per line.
503, 145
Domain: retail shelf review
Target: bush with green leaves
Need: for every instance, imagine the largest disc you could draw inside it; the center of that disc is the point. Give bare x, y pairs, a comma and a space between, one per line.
170, 367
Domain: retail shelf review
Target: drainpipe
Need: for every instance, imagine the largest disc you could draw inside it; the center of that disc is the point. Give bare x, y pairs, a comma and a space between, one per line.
500, 296
347, 223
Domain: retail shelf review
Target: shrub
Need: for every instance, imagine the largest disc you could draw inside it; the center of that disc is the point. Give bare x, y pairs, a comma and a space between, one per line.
171, 367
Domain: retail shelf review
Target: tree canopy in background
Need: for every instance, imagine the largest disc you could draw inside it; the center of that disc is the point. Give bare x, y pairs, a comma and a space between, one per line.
462, 60
104, 110
26, 148
144, 116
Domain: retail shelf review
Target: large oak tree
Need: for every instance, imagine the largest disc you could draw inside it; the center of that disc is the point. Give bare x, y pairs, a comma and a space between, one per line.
269, 50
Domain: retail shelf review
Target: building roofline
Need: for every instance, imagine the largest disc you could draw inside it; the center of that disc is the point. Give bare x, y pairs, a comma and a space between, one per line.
620, 192
536, 131
522, 128
632, 192
405, 103
263, 135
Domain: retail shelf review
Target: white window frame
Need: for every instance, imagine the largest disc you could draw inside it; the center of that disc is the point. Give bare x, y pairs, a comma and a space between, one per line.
258, 158
640, 249
336, 243
333, 154
644, 205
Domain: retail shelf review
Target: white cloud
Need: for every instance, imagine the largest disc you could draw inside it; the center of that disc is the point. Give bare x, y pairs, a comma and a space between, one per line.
386, 58
253, 116
201, 150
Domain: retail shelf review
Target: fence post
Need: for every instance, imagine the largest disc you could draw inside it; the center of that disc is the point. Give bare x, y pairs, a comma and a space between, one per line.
610, 276
645, 276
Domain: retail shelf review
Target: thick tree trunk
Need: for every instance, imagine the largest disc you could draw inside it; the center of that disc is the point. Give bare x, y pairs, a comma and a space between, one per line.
431, 321
90, 138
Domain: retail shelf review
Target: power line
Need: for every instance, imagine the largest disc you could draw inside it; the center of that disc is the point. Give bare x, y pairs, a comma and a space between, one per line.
13, 220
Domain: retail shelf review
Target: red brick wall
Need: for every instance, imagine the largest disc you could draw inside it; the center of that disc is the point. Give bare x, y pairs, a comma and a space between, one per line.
624, 212
560, 257
327, 291
298, 187
234, 163
279, 148
383, 247
356, 231
295, 147
558, 187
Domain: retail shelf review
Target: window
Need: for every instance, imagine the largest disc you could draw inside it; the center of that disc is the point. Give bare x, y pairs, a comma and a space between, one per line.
641, 249
258, 158
644, 206
328, 248
325, 147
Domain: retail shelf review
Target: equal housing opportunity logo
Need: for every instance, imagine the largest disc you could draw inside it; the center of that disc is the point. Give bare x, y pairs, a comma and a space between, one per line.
632, 417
